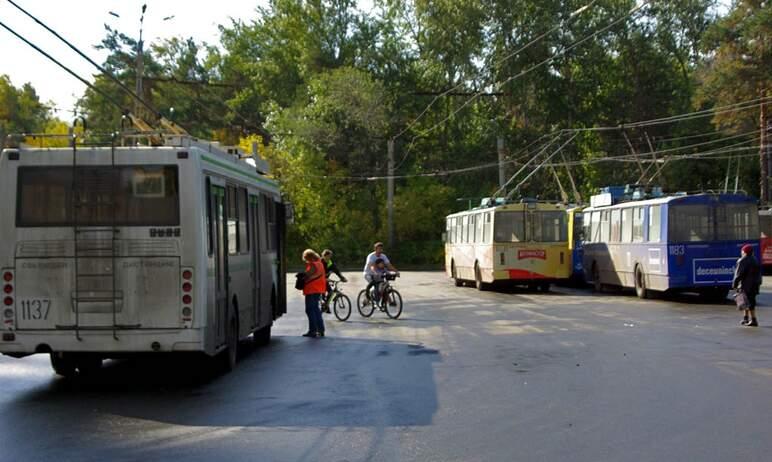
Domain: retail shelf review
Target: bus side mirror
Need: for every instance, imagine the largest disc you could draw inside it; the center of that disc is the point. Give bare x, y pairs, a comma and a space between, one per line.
445, 237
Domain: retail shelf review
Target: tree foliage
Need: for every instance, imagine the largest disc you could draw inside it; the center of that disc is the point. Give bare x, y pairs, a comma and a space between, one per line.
323, 86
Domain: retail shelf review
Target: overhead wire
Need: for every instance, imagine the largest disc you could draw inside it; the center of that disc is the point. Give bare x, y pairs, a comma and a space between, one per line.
522, 73
497, 63
104, 94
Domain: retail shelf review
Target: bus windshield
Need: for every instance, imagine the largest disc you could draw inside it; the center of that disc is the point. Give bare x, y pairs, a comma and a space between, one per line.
98, 196
549, 227
509, 227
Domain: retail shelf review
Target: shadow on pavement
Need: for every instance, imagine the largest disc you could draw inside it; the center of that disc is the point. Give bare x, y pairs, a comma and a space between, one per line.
328, 382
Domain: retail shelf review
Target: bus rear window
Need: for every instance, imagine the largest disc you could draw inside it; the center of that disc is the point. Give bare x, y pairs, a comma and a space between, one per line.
690, 223
509, 226
737, 222
98, 196
549, 227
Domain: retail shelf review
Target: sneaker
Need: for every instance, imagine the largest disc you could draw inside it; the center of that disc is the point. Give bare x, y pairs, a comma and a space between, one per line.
320, 334
753, 323
309, 334
744, 322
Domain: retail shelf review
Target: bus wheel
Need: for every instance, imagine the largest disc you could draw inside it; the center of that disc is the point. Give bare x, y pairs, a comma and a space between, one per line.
262, 337
458, 282
596, 284
478, 282
640, 283
88, 364
230, 355
544, 287
63, 364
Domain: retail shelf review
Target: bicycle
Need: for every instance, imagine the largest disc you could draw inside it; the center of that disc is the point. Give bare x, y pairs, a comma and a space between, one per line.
390, 300
341, 304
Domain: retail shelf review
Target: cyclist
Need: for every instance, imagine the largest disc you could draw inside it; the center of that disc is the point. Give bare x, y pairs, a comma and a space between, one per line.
330, 268
370, 269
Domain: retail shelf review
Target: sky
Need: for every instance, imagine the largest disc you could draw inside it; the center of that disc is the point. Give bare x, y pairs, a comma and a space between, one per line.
82, 22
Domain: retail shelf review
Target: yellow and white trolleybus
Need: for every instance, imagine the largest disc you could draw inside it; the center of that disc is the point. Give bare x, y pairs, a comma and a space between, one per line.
522, 243
111, 251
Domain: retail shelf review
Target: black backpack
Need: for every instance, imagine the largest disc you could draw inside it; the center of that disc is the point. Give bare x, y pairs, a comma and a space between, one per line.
300, 280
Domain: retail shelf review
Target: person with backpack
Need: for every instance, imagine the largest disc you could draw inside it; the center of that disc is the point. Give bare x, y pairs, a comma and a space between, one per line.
314, 285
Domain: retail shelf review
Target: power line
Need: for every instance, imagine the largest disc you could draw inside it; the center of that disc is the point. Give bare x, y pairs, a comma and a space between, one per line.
535, 66
497, 63
522, 73
91, 61
106, 96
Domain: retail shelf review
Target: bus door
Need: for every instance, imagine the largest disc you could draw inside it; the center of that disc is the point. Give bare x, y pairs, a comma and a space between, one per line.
219, 249
254, 211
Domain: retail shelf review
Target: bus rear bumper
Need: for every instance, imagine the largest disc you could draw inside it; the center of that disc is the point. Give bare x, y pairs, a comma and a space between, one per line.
28, 342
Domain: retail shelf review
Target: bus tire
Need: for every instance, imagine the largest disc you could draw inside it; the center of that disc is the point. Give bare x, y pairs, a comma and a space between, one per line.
544, 287
229, 357
88, 364
458, 282
63, 364
640, 284
262, 337
478, 282
597, 286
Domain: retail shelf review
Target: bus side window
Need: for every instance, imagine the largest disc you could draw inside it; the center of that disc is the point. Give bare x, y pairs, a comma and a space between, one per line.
209, 197
487, 227
604, 225
233, 221
479, 230
654, 223
627, 224
269, 213
616, 225
243, 221
638, 224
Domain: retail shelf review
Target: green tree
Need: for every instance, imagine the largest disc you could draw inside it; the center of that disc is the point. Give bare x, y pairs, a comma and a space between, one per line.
20, 109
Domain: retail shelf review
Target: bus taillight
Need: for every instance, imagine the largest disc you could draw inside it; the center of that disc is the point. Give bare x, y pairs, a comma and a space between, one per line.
8, 301
7, 276
8, 289
187, 298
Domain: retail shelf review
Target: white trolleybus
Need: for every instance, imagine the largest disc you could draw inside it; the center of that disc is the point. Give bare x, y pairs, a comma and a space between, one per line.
112, 251
523, 243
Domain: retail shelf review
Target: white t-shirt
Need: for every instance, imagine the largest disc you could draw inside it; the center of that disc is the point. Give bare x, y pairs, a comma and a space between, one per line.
370, 260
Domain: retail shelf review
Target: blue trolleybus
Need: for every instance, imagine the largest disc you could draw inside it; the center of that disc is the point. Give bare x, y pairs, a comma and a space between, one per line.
686, 243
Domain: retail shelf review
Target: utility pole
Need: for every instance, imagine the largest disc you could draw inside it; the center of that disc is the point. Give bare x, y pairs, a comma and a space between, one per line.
502, 170
390, 193
763, 163
140, 61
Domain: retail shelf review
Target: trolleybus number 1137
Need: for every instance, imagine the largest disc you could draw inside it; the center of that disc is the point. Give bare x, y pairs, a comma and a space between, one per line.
35, 309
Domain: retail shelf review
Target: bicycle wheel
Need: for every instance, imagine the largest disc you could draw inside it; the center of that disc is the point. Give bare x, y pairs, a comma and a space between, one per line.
364, 304
394, 304
342, 307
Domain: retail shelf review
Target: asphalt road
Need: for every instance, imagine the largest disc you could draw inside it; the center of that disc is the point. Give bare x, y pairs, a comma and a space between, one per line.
463, 375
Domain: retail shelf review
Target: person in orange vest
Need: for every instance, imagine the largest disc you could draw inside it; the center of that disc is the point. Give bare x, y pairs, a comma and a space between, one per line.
313, 288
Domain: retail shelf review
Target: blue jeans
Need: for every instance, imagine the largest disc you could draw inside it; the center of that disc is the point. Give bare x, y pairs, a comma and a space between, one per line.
315, 321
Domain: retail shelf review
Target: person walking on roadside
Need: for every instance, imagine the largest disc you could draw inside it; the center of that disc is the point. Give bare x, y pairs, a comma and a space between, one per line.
747, 280
315, 285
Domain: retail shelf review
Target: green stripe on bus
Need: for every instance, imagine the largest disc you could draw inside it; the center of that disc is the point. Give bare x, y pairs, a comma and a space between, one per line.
235, 170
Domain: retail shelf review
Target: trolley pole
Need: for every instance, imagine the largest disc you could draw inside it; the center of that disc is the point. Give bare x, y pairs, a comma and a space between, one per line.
390, 194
